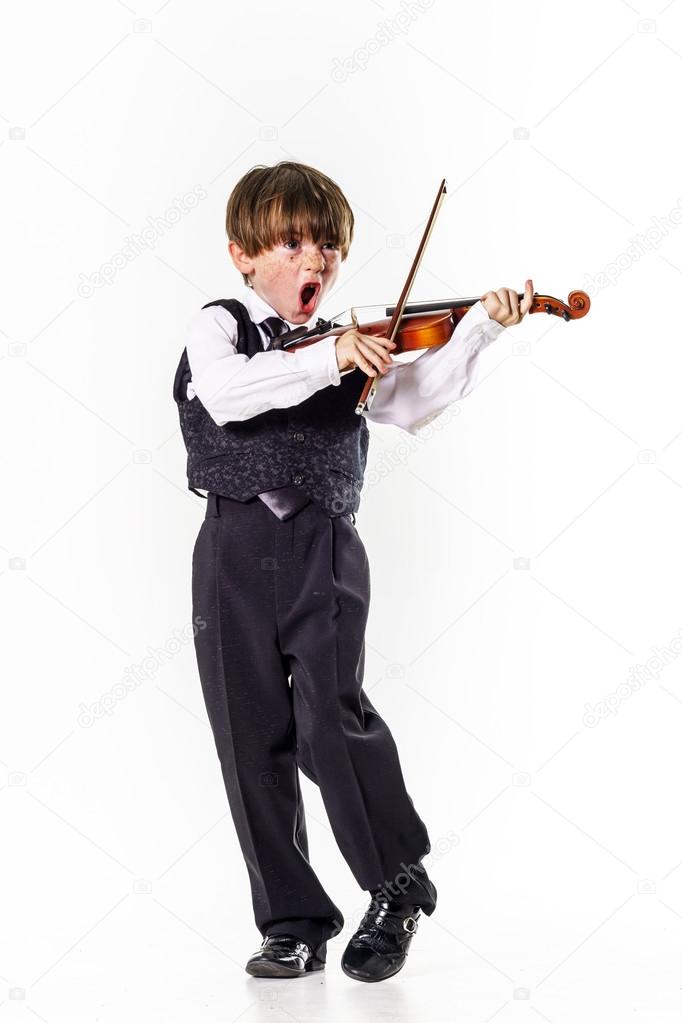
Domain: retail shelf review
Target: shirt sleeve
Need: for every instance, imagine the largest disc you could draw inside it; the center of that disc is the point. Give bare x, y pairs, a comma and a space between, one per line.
411, 394
232, 387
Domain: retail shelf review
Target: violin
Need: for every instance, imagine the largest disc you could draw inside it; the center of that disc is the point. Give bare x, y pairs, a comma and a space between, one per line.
421, 325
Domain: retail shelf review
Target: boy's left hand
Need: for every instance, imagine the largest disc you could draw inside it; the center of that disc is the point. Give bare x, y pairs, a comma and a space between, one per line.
503, 305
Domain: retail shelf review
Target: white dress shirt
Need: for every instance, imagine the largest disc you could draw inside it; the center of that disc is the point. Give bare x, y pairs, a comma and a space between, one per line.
232, 387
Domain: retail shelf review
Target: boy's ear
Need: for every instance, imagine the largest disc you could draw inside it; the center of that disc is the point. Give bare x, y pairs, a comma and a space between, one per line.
241, 261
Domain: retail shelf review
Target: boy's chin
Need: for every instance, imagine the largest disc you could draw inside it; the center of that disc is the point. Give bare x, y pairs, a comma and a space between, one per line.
301, 317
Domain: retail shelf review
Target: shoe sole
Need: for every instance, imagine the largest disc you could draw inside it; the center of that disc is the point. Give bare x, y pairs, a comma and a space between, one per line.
270, 968
371, 980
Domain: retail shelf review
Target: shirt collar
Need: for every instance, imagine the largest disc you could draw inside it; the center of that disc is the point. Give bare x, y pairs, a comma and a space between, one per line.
258, 309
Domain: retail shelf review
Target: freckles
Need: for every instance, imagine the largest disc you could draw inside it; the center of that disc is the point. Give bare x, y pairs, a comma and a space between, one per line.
277, 270
272, 268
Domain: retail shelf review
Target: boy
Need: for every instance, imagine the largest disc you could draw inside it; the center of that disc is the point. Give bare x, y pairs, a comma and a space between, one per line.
281, 577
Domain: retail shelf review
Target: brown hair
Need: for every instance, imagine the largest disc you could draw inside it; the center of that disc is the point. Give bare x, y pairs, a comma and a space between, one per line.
269, 205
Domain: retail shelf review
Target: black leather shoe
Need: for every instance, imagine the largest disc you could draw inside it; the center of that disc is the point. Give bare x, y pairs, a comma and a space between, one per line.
285, 955
379, 947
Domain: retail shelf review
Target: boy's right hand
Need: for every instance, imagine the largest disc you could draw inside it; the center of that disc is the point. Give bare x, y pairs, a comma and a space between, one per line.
370, 354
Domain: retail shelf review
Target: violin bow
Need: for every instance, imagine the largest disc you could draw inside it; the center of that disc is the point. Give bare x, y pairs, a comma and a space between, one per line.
369, 390
577, 306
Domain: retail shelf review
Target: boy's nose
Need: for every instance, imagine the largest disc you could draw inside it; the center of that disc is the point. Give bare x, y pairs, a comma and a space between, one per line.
313, 259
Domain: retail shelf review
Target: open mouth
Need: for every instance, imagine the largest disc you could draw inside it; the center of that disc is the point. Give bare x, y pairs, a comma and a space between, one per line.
307, 297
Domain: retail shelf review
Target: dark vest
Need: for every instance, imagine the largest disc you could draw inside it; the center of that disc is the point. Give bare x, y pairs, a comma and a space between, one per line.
320, 444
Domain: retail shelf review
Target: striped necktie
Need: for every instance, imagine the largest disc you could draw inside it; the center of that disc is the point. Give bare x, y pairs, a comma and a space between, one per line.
283, 501
273, 327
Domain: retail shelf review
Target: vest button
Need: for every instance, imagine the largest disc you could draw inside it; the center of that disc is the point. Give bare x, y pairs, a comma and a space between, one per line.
299, 436
298, 480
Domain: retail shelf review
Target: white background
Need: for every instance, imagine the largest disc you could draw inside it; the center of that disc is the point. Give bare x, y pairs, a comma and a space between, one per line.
525, 555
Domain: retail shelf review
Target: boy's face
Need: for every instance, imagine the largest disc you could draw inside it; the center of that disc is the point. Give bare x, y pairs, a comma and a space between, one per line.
293, 276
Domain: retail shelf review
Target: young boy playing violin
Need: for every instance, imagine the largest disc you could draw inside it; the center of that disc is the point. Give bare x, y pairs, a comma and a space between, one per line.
280, 574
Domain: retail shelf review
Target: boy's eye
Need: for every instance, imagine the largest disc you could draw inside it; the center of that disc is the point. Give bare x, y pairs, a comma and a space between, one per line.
293, 243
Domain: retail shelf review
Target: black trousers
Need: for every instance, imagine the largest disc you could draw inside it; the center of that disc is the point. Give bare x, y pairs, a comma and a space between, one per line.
291, 598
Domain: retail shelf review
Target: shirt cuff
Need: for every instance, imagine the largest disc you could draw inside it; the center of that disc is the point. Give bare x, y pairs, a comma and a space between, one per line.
477, 316
319, 361
333, 365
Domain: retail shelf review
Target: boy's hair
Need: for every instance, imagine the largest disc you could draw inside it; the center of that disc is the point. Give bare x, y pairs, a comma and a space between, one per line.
269, 205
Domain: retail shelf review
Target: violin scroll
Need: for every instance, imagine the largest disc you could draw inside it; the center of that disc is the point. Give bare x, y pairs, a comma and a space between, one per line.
578, 305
